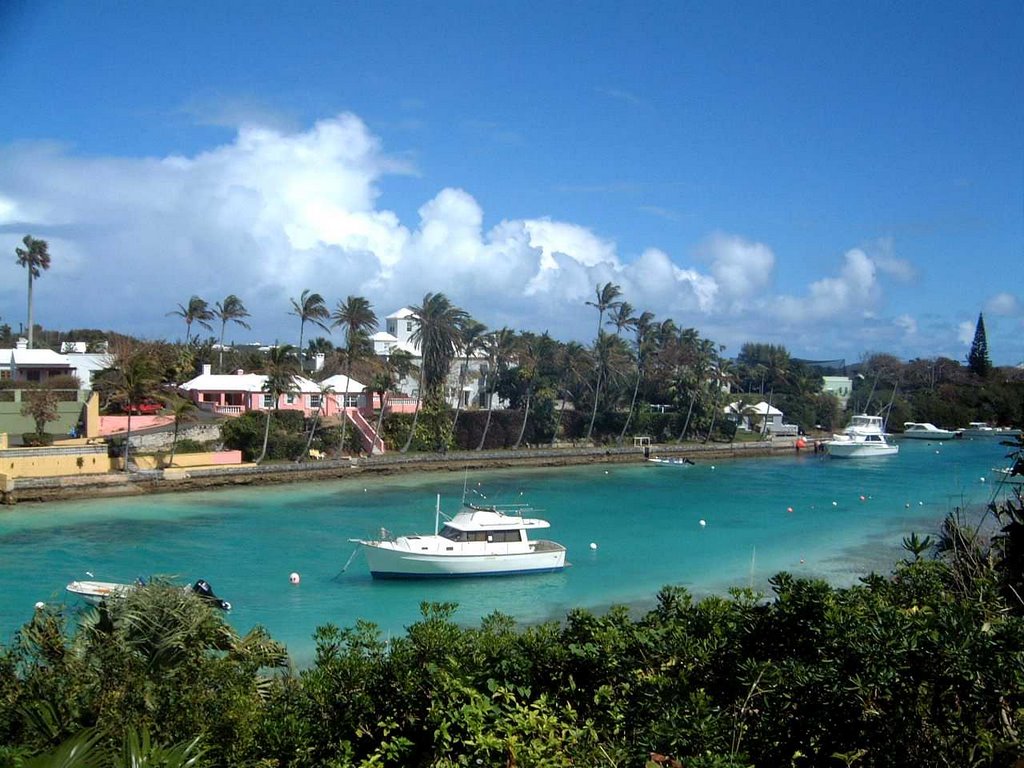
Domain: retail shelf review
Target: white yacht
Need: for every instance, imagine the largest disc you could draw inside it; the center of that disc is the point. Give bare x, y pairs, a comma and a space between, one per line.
923, 430
477, 541
863, 438
979, 429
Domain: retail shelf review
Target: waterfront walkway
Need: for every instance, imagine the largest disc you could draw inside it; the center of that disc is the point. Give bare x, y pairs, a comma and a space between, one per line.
196, 478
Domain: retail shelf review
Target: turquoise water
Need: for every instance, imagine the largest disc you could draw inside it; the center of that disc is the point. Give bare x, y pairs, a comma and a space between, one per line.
848, 518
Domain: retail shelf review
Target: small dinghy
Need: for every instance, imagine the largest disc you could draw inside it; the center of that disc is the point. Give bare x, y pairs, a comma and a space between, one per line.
97, 592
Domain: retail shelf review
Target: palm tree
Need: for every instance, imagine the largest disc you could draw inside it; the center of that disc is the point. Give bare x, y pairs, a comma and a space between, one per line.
527, 358
399, 365
35, 257
606, 298
184, 411
197, 311
643, 326
498, 346
231, 310
575, 362
356, 316
310, 308
136, 378
281, 368
438, 324
471, 342
326, 390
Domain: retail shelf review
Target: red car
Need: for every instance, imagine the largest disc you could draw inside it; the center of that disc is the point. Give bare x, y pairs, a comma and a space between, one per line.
144, 408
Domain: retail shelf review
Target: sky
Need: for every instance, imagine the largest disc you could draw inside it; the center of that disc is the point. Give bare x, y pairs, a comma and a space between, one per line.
838, 178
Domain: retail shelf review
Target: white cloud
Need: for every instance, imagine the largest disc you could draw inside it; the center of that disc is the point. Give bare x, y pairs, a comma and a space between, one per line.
1003, 304
907, 324
274, 212
965, 332
741, 268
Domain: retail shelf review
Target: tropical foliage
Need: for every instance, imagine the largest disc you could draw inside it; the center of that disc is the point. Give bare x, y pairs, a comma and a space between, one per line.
921, 667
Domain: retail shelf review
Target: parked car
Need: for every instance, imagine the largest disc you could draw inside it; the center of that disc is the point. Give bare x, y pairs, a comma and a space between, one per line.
146, 407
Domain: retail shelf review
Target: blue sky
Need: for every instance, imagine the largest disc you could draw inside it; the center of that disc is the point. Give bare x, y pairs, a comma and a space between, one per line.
838, 178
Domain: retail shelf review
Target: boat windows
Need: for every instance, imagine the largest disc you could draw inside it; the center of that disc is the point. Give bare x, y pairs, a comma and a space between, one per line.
504, 537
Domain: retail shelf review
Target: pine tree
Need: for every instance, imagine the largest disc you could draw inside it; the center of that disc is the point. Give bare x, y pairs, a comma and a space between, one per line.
978, 360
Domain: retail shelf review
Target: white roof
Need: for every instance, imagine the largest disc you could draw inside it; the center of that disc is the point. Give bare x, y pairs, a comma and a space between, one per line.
761, 409
29, 357
242, 382
342, 384
402, 313
383, 336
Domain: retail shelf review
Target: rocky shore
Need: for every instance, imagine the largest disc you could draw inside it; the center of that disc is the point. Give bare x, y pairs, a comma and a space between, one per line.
200, 478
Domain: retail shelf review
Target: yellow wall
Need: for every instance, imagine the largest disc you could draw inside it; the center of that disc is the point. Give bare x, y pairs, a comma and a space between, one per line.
185, 460
52, 466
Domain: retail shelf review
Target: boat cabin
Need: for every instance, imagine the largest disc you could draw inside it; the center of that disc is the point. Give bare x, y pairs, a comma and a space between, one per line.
497, 536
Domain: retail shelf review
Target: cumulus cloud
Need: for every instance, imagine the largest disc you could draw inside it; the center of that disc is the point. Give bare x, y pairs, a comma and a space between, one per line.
275, 211
907, 324
1003, 304
965, 332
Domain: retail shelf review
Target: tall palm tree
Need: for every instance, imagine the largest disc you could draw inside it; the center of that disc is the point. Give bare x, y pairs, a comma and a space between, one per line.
399, 365
526, 346
498, 347
605, 299
644, 329
136, 378
356, 316
326, 390
280, 368
196, 311
438, 324
35, 257
231, 310
471, 342
575, 363
310, 308
184, 411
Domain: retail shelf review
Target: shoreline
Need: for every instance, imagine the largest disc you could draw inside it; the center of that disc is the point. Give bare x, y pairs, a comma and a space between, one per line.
70, 488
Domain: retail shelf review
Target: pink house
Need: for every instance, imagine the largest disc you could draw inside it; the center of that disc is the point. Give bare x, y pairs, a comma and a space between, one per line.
232, 394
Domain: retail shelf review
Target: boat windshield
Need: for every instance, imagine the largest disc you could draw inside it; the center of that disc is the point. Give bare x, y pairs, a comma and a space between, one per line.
454, 534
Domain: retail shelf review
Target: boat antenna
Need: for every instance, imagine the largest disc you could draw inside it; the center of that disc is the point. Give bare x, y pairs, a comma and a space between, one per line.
437, 515
465, 485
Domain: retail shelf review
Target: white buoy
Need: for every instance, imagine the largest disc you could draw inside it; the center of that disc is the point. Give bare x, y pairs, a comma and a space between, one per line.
294, 578
712, 466
982, 479
40, 605
789, 509
835, 503
593, 545
703, 523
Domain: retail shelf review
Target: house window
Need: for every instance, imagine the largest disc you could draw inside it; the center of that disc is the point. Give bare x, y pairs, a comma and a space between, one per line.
268, 401
408, 326
314, 402
4, 375
290, 399
351, 401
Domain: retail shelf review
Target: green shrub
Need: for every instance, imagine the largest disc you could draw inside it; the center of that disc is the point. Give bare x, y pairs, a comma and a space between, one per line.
35, 440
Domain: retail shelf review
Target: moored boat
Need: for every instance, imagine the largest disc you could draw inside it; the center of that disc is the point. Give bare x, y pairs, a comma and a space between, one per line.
924, 430
98, 592
675, 462
981, 429
476, 541
865, 437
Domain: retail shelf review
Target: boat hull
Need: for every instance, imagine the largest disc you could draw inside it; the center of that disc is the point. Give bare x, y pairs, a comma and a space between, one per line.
388, 563
854, 450
95, 592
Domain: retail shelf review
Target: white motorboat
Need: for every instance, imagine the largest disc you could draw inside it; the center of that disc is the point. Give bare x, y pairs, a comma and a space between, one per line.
864, 437
674, 462
923, 430
477, 541
98, 592
980, 429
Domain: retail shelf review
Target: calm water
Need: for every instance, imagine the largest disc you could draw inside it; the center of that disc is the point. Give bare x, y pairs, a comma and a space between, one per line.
847, 518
